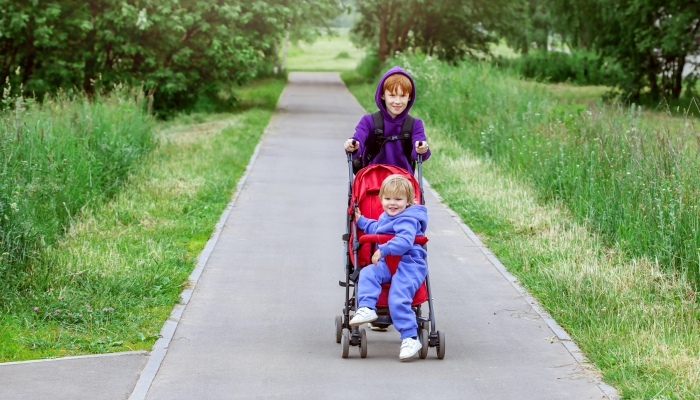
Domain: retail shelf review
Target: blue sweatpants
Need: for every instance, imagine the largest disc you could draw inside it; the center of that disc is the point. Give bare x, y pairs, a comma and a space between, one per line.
404, 284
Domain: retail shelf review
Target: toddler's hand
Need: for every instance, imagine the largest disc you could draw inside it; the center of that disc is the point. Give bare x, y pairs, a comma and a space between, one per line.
376, 256
421, 147
358, 214
351, 145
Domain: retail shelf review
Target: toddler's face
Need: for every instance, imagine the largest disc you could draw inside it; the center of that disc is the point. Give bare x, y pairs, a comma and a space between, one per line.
395, 102
394, 204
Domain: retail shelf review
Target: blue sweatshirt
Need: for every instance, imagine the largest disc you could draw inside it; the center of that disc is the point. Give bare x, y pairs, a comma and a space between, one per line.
412, 222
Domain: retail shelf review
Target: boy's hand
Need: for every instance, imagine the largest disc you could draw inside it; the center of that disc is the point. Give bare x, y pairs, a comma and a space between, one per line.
376, 256
358, 214
421, 147
351, 145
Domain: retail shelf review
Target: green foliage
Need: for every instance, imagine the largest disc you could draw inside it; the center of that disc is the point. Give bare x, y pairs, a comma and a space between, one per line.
59, 157
649, 39
449, 29
579, 67
181, 50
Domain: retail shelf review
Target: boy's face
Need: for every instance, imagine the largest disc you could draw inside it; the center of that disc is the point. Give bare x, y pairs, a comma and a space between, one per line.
394, 203
396, 102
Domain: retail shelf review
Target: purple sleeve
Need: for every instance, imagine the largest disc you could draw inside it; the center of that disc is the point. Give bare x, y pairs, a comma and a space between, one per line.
362, 130
417, 136
406, 229
367, 225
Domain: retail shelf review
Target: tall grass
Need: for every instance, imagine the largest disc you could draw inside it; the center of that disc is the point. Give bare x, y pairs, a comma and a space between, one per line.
58, 156
637, 184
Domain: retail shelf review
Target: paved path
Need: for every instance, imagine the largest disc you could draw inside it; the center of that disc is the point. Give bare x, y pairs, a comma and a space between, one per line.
260, 323
111, 376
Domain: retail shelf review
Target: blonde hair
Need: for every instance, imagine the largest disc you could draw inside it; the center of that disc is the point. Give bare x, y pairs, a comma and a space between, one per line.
397, 184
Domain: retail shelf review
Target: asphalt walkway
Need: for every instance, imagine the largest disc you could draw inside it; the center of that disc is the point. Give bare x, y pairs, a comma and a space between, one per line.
260, 322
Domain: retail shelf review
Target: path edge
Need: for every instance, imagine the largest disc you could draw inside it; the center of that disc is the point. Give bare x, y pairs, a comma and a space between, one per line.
160, 347
609, 391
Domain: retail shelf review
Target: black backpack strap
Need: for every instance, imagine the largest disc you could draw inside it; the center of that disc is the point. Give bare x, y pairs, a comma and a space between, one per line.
378, 120
376, 140
406, 139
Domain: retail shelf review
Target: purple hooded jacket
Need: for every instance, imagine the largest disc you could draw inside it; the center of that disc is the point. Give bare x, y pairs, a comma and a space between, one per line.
392, 153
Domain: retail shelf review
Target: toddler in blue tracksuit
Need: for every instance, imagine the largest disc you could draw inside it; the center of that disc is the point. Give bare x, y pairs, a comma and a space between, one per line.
406, 221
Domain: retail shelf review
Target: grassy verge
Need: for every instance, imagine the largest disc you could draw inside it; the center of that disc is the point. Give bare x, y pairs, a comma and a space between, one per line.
327, 53
507, 157
109, 284
57, 157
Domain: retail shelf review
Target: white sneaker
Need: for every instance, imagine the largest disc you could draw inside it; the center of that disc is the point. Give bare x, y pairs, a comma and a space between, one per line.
363, 315
377, 328
409, 348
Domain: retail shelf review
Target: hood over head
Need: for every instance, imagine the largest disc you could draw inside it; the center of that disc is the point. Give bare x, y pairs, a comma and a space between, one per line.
378, 95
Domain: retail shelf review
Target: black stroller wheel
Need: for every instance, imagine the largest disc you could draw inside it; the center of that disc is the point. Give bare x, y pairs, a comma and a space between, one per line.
345, 345
441, 345
363, 343
338, 328
424, 341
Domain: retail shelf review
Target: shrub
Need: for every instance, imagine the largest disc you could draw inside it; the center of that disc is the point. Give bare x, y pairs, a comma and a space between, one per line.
59, 156
579, 67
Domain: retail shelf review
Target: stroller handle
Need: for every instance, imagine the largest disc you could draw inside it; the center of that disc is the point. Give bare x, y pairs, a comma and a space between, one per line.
419, 173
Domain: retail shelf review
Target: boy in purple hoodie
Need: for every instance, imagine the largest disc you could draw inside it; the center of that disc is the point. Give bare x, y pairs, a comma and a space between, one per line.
390, 136
406, 221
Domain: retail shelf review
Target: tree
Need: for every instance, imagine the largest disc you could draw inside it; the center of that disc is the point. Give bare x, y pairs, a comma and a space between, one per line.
178, 48
650, 39
449, 29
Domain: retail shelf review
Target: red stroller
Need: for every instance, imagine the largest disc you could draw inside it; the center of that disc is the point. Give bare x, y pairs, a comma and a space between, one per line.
363, 192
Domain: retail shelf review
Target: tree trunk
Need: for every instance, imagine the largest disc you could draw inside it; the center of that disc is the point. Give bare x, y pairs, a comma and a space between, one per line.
678, 77
383, 36
283, 66
653, 84
652, 75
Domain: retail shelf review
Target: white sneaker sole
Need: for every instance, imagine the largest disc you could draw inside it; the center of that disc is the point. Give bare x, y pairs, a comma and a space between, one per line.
357, 321
406, 357
378, 329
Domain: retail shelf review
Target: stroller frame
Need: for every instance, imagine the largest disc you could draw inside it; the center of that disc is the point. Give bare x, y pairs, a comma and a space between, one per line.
348, 336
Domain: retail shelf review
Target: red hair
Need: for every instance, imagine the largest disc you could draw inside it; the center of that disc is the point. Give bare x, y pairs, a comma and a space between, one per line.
398, 81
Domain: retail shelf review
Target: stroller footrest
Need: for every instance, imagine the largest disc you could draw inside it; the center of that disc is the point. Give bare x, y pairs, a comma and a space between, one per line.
344, 284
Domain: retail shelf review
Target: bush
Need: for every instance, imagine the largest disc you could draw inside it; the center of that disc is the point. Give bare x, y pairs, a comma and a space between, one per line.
370, 66
579, 67
59, 156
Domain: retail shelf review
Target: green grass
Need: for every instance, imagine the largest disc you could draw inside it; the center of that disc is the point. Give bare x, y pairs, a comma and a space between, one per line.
119, 269
328, 53
594, 210
59, 156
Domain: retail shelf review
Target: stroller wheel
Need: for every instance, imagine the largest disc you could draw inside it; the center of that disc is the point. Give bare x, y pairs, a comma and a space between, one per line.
441, 345
424, 341
363, 343
338, 328
345, 344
